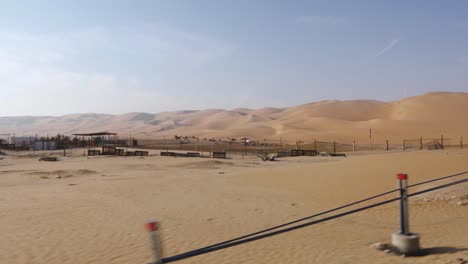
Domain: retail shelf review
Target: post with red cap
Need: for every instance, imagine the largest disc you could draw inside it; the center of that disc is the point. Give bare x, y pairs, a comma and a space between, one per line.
403, 240
153, 228
402, 185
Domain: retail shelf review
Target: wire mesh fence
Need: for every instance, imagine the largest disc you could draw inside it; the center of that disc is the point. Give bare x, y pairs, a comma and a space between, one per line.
246, 146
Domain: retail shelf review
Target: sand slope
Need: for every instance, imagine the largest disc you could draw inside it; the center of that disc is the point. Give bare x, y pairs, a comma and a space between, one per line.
428, 115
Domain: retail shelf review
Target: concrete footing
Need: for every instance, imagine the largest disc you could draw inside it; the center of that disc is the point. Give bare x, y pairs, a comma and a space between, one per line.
406, 244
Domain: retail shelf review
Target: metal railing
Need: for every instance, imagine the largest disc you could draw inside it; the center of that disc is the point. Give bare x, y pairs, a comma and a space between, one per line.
286, 227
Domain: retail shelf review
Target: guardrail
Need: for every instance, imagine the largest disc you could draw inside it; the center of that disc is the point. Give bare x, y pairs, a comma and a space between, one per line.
273, 231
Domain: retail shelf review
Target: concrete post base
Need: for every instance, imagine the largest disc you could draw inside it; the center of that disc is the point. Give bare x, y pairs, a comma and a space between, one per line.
406, 244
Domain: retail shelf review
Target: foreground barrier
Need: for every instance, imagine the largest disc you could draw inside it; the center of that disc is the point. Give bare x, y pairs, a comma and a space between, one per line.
274, 230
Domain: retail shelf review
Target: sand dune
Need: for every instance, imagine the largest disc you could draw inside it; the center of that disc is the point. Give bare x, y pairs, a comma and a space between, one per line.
428, 115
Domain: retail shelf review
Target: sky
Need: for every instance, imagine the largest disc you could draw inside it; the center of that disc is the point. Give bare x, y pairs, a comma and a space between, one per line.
63, 57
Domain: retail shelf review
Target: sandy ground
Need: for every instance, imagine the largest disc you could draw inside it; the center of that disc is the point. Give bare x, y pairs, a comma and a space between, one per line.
92, 210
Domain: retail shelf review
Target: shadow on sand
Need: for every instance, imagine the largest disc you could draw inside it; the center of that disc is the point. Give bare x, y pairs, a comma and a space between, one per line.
441, 250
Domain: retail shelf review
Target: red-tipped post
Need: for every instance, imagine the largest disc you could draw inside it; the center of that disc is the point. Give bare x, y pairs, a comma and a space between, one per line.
402, 185
403, 240
153, 228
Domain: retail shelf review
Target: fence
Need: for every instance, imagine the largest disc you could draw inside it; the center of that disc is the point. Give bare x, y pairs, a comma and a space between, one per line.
286, 227
273, 146
64, 142
251, 146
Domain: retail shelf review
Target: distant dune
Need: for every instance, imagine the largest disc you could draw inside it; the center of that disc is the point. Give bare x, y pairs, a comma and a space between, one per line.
428, 115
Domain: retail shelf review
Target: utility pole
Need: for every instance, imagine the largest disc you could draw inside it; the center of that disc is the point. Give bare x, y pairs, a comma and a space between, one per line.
370, 138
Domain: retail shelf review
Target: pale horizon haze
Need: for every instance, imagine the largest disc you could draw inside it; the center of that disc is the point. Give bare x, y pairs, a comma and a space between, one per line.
63, 57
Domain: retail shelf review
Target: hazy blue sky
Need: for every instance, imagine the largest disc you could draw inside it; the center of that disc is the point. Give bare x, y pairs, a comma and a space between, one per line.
59, 57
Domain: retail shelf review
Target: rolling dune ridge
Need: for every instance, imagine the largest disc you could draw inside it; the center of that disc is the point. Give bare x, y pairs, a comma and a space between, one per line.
428, 115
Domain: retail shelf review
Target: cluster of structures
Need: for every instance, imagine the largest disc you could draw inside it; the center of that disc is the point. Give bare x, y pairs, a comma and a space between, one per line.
79, 140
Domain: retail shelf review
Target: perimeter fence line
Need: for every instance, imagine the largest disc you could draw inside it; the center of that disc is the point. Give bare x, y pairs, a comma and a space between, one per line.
246, 146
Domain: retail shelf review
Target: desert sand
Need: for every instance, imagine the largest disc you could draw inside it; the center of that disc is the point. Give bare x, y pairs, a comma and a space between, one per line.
428, 116
92, 209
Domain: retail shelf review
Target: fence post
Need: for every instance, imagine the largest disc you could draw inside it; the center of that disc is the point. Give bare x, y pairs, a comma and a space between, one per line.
153, 228
442, 141
245, 147
387, 144
334, 146
212, 149
315, 144
461, 142
404, 144
403, 240
354, 145
420, 143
